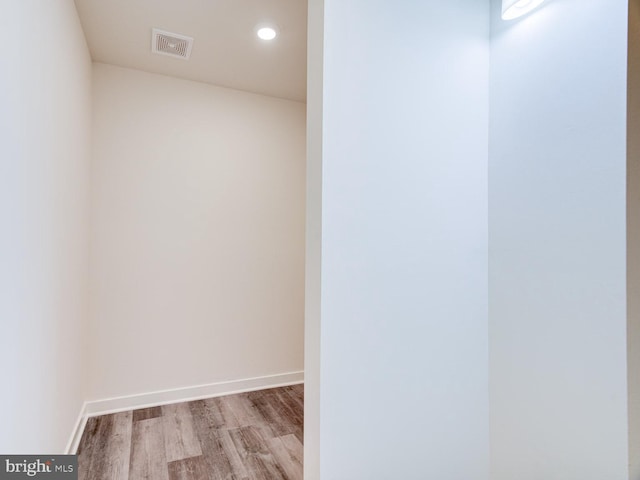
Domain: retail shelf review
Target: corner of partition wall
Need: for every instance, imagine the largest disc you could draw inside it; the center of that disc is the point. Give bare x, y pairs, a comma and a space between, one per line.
633, 238
315, 53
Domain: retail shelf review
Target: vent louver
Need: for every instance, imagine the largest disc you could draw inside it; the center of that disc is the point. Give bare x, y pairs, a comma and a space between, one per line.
171, 44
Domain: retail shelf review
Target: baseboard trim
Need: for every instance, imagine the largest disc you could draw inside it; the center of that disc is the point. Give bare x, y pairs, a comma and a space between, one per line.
186, 394
78, 428
175, 395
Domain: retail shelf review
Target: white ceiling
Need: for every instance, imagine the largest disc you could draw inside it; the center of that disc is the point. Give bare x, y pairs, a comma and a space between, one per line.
226, 50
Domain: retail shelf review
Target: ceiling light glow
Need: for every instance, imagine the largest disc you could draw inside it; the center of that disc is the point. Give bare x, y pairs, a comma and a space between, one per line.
267, 33
516, 8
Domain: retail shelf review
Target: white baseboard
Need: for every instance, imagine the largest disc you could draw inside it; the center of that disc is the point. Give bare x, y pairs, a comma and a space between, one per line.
78, 428
95, 408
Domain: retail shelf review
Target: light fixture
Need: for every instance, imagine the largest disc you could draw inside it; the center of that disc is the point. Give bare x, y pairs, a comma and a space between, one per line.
516, 8
266, 33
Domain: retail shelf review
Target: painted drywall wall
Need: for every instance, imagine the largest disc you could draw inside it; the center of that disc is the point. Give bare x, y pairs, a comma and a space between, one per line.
557, 242
313, 267
633, 238
403, 314
45, 120
197, 253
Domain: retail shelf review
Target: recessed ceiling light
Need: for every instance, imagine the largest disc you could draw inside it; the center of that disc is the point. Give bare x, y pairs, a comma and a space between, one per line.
267, 33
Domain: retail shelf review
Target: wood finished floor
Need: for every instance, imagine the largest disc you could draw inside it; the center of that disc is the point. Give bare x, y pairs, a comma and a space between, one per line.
249, 436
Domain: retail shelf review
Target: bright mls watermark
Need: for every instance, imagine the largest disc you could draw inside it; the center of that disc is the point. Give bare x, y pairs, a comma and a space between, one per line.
51, 467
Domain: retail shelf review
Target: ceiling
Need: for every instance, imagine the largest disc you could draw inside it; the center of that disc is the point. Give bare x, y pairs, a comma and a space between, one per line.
226, 50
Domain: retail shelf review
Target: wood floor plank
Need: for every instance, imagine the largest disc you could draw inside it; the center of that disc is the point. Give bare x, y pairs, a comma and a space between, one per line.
244, 411
249, 436
111, 449
289, 462
298, 389
209, 410
207, 420
86, 445
296, 395
236, 461
180, 438
148, 458
248, 415
255, 455
282, 419
263, 405
94, 447
146, 413
294, 447
120, 446
289, 408
230, 419
193, 468
91, 445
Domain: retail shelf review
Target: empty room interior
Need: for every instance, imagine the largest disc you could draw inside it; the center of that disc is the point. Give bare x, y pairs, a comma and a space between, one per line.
320, 239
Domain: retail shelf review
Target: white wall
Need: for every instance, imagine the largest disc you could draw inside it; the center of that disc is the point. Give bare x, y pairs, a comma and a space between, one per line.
557, 243
403, 315
633, 239
197, 234
45, 119
313, 266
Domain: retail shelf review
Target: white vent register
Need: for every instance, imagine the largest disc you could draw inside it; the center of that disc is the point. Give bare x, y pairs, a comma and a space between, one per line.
171, 44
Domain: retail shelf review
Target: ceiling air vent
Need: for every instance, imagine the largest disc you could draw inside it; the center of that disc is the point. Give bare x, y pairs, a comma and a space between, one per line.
171, 44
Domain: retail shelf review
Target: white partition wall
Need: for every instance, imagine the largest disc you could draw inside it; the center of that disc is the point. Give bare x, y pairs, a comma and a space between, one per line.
313, 241
557, 243
45, 134
633, 238
403, 323
409, 136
